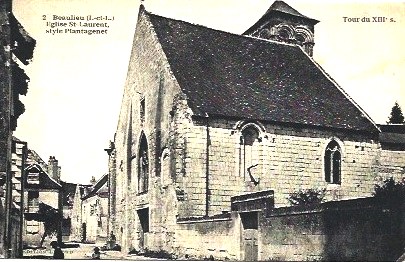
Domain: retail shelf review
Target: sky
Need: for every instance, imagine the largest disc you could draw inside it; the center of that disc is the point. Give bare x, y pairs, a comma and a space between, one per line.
77, 80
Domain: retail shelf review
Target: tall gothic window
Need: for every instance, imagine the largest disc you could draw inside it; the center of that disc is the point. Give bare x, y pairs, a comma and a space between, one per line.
333, 159
143, 166
249, 153
129, 148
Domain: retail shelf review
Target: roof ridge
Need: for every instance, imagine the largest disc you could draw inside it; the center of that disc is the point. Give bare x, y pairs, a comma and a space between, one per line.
222, 31
43, 171
96, 187
343, 91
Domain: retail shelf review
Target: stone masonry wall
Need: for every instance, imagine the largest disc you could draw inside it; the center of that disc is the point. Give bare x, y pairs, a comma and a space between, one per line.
392, 164
209, 238
353, 230
288, 159
149, 79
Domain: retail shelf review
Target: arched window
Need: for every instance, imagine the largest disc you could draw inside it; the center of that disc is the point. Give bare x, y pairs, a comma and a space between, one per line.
249, 149
143, 166
333, 158
283, 34
129, 148
300, 39
249, 135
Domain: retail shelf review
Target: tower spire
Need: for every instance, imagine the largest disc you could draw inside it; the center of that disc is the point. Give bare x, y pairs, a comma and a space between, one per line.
283, 23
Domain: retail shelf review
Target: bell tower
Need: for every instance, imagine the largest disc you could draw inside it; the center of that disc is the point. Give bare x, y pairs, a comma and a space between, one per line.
283, 23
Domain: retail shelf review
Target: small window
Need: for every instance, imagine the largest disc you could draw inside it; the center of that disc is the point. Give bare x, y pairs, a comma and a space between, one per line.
33, 178
33, 202
32, 227
249, 151
333, 163
249, 136
142, 110
300, 39
283, 34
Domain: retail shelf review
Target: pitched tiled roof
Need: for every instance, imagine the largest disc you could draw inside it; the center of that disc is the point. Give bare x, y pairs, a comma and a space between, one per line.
45, 181
99, 188
393, 128
392, 134
230, 75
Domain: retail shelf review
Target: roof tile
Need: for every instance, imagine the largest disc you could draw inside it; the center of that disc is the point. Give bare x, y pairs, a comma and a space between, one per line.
232, 75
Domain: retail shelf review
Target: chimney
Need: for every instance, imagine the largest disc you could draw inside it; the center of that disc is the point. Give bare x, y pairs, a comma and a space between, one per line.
93, 180
53, 169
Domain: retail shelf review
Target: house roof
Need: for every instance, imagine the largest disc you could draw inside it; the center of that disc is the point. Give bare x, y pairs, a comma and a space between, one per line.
45, 181
393, 128
97, 188
229, 75
392, 134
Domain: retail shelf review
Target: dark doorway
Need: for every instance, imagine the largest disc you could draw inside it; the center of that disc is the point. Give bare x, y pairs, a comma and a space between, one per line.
143, 216
250, 225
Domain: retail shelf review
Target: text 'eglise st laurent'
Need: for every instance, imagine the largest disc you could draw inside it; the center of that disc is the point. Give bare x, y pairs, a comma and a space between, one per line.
73, 24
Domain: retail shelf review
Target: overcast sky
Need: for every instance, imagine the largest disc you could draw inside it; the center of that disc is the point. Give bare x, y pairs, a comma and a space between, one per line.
77, 81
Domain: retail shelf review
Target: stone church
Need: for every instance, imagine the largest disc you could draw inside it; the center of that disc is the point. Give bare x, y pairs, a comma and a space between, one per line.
208, 115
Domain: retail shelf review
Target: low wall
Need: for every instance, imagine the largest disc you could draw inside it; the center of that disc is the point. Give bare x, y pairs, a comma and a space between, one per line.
212, 237
351, 230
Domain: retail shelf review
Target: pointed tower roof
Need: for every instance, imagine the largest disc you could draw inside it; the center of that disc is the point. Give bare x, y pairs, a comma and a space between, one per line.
281, 8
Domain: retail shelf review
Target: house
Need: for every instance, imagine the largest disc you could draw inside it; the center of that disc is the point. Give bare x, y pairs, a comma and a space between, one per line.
17, 45
211, 120
76, 230
392, 158
39, 188
68, 193
95, 212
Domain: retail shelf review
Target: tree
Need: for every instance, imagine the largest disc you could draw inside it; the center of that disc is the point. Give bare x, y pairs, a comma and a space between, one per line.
50, 217
306, 197
390, 192
396, 116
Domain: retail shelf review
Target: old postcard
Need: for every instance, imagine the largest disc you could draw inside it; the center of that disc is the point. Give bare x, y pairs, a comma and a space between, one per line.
202, 130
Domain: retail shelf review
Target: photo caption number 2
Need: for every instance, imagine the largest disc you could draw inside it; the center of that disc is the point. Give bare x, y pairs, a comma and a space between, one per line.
43, 17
